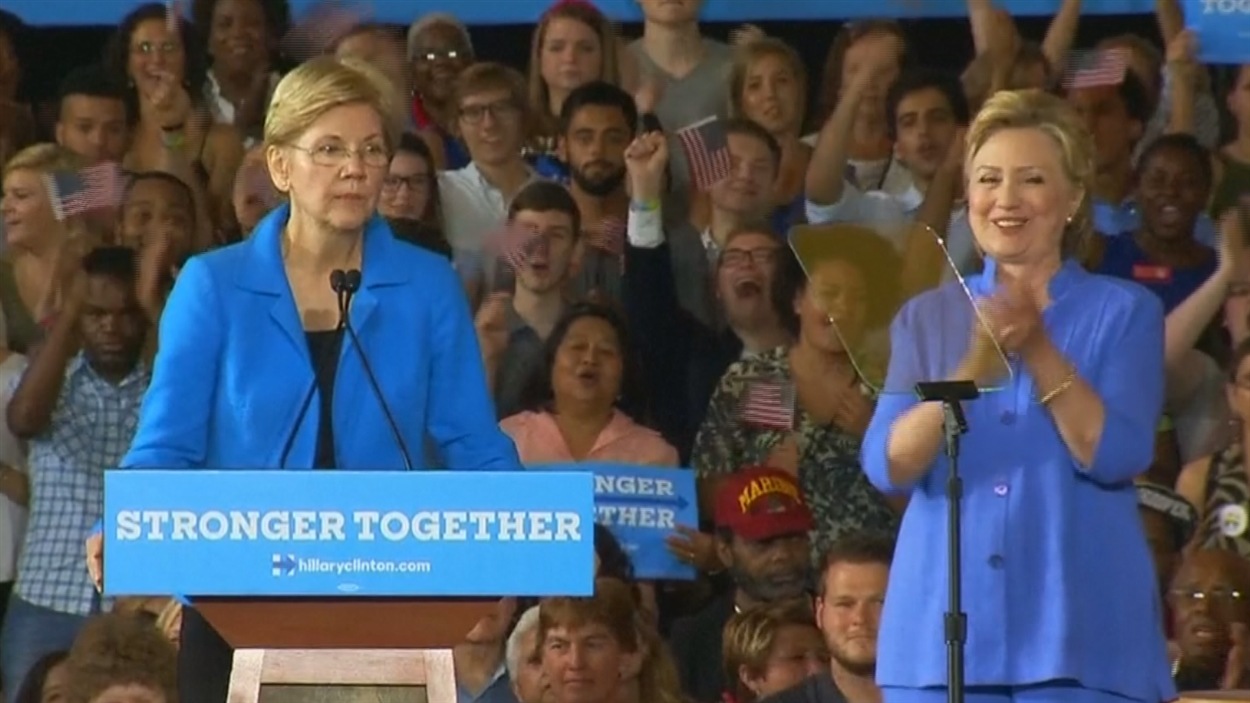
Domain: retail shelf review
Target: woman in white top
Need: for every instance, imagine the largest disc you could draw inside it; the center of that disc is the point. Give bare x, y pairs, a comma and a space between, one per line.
14, 487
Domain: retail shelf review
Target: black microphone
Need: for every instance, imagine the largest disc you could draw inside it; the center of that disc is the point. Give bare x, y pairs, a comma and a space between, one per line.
338, 282
351, 285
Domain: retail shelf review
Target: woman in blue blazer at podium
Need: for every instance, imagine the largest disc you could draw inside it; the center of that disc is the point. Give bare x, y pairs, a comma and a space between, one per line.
252, 331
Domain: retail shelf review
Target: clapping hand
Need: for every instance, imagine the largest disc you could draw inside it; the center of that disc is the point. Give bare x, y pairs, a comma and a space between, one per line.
1014, 319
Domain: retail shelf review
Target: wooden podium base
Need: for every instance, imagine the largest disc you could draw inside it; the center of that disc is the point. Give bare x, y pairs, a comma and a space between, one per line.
342, 676
1214, 696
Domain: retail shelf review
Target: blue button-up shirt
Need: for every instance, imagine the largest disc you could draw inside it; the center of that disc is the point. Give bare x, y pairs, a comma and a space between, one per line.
1058, 581
91, 428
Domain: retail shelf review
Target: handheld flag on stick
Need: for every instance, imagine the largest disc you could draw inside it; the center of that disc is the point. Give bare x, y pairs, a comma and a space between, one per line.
768, 404
1096, 68
96, 187
706, 146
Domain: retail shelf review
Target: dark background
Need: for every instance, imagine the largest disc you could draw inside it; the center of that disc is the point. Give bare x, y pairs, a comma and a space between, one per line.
48, 52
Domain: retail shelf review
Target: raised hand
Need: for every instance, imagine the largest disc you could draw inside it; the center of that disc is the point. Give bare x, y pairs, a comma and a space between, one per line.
645, 161
168, 102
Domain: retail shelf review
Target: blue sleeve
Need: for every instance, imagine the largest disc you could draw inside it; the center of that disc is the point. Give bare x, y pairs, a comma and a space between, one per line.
461, 418
1129, 381
174, 418
904, 366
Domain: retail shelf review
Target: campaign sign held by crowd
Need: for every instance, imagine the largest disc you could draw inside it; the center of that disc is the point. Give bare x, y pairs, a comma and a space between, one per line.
350, 533
1222, 28
643, 506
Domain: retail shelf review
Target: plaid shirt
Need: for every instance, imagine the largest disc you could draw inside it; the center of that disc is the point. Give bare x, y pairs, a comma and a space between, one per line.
90, 431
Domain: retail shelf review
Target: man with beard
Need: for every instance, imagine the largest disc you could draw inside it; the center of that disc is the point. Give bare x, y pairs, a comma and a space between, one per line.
1210, 614
853, 577
597, 123
513, 324
762, 522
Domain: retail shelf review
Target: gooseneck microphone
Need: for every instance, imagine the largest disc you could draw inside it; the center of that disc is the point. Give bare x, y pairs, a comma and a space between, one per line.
338, 284
351, 284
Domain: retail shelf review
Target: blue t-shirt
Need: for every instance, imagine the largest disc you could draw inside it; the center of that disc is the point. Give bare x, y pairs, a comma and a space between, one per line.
1123, 258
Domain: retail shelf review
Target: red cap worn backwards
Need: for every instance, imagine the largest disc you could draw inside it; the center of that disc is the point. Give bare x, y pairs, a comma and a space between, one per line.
758, 503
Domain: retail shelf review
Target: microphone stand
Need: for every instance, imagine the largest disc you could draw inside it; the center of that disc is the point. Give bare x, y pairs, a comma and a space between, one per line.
951, 395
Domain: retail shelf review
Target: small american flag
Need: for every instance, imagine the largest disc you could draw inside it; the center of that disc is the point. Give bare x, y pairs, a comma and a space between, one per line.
1095, 68
609, 236
768, 404
174, 12
513, 244
97, 187
707, 151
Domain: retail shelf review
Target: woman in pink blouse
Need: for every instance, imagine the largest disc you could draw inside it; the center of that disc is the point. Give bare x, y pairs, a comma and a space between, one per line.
581, 401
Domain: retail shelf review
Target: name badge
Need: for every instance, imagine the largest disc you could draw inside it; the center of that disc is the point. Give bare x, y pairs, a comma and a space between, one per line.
1149, 273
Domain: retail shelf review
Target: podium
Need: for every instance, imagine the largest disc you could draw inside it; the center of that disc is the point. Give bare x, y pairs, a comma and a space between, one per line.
355, 583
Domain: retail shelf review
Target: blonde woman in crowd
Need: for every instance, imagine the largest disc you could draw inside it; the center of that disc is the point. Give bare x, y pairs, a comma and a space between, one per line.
37, 268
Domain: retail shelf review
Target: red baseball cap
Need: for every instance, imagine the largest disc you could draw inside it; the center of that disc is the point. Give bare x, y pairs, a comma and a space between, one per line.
758, 503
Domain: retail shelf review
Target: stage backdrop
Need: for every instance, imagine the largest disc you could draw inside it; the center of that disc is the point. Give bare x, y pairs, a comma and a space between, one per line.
108, 12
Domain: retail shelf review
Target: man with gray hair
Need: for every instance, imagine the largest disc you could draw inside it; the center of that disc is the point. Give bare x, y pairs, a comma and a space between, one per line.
525, 668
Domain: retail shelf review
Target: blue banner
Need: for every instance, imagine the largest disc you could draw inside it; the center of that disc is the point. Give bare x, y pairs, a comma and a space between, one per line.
110, 12
1222, 28
643, 505
350, 533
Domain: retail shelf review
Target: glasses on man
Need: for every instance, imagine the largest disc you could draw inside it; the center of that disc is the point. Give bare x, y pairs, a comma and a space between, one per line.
332, 155
735, 258
473, 114
1216, 597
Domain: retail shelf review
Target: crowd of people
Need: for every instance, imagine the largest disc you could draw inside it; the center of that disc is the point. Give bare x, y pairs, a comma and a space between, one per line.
551, 276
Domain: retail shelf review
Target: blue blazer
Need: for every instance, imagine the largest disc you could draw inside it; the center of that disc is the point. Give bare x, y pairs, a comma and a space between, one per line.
233, 366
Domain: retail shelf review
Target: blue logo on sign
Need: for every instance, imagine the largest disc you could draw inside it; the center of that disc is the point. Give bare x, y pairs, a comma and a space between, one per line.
284, 564
372, 533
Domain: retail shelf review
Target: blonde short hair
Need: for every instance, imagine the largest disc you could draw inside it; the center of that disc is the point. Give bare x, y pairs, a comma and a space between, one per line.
45, 158
317, 86
1051, 115
750, 635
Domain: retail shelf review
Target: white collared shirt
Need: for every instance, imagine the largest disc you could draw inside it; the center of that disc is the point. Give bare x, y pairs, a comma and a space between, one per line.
472, 207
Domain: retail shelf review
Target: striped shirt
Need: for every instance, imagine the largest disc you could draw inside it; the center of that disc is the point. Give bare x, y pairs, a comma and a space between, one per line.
91, 428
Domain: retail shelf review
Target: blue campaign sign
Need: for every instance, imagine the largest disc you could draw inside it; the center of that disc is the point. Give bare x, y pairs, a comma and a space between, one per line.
350, 533
110, 12
1222, 28
642, 505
